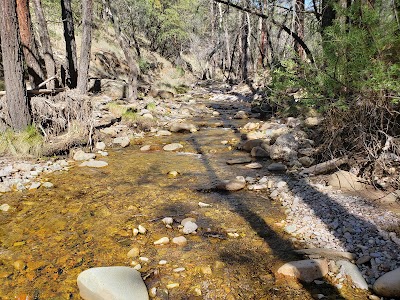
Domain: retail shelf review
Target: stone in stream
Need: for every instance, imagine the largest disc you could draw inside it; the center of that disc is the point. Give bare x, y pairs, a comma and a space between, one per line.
182, 127
305, 270
81, 155
94, 164
4, 188
388, 285
179, 240
276, 167
112, 283
4, 207
172, 147
259, 152
250, 144
254, 165
100, 146
163, 133
233, 185
123, 141
239, 160
241, 115
354, 274
189, 227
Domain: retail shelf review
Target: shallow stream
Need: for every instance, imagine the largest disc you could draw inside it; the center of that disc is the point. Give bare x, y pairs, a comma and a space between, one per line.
49, 236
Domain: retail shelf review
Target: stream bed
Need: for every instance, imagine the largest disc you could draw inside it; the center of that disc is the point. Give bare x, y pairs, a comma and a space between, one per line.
87, 219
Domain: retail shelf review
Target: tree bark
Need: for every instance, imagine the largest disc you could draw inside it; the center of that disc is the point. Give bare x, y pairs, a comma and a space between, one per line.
84, 60
133, 71
44, 37
70, 44
29, 47
299, 27
17, 101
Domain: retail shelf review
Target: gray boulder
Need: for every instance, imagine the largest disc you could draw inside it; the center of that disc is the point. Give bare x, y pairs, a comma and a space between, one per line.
388, 285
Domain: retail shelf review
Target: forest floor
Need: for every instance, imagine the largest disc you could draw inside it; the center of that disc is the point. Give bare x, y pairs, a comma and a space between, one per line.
188, 157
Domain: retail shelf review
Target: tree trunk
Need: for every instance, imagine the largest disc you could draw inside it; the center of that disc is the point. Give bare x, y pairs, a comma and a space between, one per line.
16, 98
299, 27
45, 43
70, 44
133, 71
84, 60
29, 47
245, 48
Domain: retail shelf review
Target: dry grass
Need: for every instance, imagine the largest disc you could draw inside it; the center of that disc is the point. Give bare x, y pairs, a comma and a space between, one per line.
25, 143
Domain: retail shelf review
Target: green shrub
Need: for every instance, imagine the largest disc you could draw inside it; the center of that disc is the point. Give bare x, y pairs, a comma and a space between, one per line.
27, 142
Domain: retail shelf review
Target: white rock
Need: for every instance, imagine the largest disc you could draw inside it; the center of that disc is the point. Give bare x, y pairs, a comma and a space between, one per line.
134, 252
94, 164
137, 267
162, 241
145, 148
81, 155
34, 185
141, 229
47, 184
100, 146
4, 207
354, 273
305, 270
202, 204
135, 231
189, 227
163, 133
179, 240
168, 221
177, 270
112, 283
162, 262
185, 220
144, 259
122, 141
254, 165
172, 147
4, 188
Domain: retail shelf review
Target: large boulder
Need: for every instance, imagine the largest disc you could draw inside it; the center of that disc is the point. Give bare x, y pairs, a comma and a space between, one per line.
346, 181
305, 270
112, 283
388, 285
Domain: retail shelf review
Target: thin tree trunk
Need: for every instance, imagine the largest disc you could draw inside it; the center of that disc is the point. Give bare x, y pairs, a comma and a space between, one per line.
70, 44
17, 101
29, 47
299, 27
84, 60
226, 36
245, 49
45, 43
133, 71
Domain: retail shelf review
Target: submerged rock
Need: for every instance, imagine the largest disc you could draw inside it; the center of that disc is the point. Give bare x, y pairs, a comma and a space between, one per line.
182, 127
112, 283
94, 164
172, 147
81, 155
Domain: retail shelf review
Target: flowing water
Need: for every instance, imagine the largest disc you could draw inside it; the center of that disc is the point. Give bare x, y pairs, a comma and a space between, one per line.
49, 236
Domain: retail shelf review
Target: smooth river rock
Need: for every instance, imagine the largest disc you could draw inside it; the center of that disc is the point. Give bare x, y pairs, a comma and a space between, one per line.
112, 283
354, 273
81, 155
172, 147
388, 285
305, 270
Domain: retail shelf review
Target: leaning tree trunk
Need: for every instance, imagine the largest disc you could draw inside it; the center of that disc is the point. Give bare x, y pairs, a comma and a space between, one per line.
16, 97
29, 47
133, 71
84, 60
70, 44
44, 37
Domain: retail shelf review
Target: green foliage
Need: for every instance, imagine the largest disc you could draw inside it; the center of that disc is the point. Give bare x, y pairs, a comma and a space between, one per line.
27, 142
357, 56
151, 106
181, 89
144, 66
130, 116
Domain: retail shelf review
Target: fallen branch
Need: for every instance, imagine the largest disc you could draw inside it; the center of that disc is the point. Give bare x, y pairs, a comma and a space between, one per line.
40, 91
325, 166
46, 81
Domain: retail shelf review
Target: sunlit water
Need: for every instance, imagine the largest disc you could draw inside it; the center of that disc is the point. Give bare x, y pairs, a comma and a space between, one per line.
49, 236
